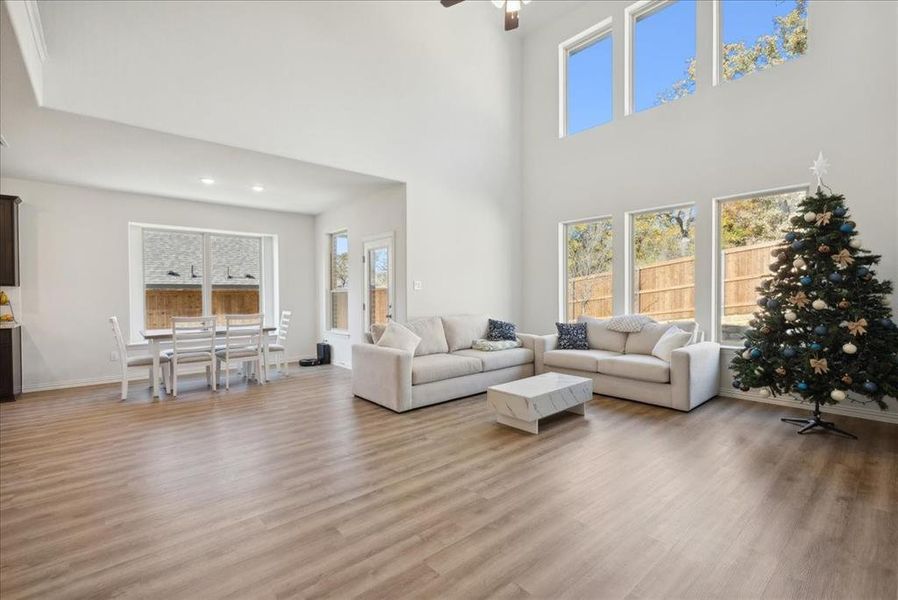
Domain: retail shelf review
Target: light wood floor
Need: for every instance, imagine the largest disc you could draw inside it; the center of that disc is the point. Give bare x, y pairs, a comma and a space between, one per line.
296, 489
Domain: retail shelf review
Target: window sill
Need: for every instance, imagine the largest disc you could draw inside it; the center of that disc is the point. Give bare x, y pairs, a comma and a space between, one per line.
338, 332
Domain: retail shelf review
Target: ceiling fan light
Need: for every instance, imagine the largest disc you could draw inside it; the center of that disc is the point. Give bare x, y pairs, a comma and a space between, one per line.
513, 6
498, 3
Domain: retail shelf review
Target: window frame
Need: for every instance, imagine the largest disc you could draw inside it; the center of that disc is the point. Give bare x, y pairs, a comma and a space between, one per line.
563, 258
630, 253
268, 273
632, 13
585, 38
331, 290
717, 289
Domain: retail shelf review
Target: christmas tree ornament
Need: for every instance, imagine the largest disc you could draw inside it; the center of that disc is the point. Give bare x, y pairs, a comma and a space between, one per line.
765, 330
797, 245
823, 219
835, 277
849, 348
790, 316
744, 388
862, 271
869, 386
774, 266
820, 330
810, 217
799, 299
887, 323
846, 379
857, 328
788, 352
764, 393
837, 395
775, 252
755, 354
806, 280
823, 249
846, 227
801, 386
843, 258
762, 301
747, 354
773, 304
819, 365
816, 347
839, 212
799, 263
818, 304
737, 384
780, 371
843, 304
790, 237
855, 243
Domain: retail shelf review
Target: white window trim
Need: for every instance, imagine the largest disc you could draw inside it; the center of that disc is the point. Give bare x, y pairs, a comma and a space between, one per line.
717, 254
629, 254
585, 38
632, 13
329, 303
562, 265
268, 286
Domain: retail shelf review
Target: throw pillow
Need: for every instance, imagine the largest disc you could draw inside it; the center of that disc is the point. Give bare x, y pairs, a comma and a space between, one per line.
399, 337
501, 330
629, 323
495, 345
572, 336
376, 331
672, 339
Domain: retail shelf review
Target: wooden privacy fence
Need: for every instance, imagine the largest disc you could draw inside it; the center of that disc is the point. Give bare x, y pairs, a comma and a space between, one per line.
666, 290
161, 304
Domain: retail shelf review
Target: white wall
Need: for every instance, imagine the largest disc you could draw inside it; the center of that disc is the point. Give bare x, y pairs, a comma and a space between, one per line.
74, 262
382, 213
756, 133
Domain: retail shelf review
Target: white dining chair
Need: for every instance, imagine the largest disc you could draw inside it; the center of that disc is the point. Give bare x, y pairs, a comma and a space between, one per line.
243, 345
279, 347
136, 361
193, 343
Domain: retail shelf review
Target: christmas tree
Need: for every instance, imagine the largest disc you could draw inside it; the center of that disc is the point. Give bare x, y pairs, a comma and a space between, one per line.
823, 330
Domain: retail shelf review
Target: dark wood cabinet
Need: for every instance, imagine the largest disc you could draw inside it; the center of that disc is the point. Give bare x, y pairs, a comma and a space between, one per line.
9, 240
10, 363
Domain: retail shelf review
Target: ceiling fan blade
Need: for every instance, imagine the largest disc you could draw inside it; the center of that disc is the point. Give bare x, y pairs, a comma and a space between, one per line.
448, 3
511, 20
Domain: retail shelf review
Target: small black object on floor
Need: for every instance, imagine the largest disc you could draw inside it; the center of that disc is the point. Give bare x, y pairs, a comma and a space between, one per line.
815, 421
308, 362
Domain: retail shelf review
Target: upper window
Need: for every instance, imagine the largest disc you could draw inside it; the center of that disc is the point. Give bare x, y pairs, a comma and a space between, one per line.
588, 260
662, 52
750, 227
588, 86
757, 34
663, 263
338, 317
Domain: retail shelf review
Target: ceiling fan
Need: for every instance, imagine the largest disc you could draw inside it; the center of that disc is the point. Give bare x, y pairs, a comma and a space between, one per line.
511, 9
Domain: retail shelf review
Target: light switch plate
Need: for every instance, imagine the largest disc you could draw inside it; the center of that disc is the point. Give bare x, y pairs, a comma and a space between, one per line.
418, 284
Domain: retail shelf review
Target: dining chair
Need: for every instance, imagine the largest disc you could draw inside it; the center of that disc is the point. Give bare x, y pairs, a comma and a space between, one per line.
135, 361
193, 343
243, 344
280, 344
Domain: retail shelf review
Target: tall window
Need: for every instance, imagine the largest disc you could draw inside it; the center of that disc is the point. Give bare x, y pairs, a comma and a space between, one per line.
749, 228
661, 51
588, 86
757, 34
193, 273
339, 281
663, 263
588, 259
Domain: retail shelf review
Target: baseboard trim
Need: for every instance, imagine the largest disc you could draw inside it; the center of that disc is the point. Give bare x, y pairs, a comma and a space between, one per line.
861, 412
78, 383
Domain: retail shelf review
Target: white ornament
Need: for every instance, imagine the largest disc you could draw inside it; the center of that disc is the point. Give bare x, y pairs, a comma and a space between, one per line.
849, 348
837, 395
855, 243
818, 304
746, 355
759, 371
810, 216
790, 316
820, 168
764, 393
799, 263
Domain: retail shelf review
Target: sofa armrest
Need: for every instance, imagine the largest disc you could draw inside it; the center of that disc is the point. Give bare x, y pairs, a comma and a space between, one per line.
382, 375
541, 345
695, 374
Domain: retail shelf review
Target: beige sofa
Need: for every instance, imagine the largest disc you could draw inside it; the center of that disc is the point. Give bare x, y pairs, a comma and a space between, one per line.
444, 366
622, 365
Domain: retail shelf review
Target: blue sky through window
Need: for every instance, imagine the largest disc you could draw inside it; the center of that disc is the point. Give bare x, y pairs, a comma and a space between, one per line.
664, 42
589, 86
747, 20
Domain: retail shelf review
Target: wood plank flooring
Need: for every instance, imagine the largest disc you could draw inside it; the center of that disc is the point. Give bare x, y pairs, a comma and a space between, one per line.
295, 489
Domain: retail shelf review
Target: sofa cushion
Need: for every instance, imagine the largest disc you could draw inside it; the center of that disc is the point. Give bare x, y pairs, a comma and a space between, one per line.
635, 366
600, 337
462, 330
399, 337
499, 359
578, 360
644, 341
436, 367
433, 339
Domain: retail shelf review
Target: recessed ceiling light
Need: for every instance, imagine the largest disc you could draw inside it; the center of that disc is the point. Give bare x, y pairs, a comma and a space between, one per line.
207, 180
258, 188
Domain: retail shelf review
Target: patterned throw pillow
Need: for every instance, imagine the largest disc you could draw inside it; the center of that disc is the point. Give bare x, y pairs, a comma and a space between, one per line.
572, 336
501, 330
495, 345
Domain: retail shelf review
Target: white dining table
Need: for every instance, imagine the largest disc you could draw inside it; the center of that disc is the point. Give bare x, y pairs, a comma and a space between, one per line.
156, 336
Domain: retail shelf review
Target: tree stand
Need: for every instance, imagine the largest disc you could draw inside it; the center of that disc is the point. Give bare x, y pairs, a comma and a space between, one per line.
815, 421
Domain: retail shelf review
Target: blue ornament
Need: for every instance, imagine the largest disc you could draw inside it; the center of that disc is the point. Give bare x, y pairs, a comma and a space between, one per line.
816, 347
869, 386
846, 227
835, 277
797, 245
788, 352
820, 329
762, 301
737, 384
755, 353
746, 343
790, 237
801, 385
887, 323
773, 303
862, 271
806, 280
840, 211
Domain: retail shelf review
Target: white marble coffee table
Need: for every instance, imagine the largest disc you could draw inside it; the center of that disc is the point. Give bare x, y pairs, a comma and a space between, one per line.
522, 403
